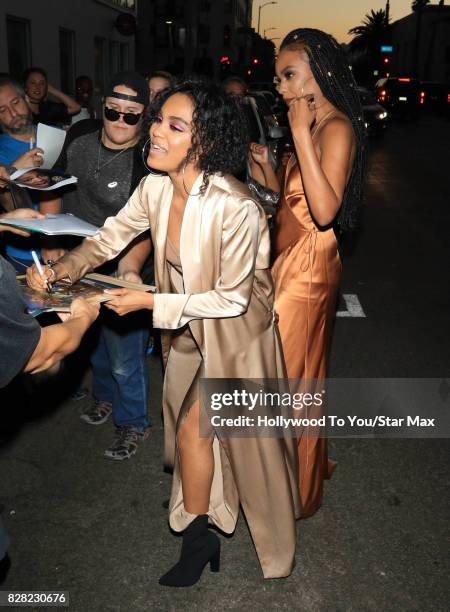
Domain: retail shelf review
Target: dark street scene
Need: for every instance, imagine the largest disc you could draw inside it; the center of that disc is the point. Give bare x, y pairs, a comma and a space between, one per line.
199, 197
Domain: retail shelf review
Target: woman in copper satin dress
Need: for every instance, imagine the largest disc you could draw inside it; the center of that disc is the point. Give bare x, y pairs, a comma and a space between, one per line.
321, 190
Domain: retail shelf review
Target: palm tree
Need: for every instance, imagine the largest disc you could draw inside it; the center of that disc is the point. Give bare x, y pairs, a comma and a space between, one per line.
418, 5
372, 33
364, 47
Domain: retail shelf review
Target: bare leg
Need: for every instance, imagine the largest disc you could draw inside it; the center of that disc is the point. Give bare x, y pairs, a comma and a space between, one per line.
196, 463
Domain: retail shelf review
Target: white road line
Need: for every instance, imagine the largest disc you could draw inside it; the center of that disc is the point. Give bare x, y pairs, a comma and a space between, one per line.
354, 308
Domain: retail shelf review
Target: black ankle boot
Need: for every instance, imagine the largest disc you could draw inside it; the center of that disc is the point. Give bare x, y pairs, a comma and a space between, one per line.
199, 546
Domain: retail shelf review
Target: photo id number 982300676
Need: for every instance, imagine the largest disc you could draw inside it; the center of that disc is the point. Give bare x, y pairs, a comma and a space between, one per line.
34, 598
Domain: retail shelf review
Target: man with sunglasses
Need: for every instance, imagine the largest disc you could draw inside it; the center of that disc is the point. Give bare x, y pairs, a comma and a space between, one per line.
106, 157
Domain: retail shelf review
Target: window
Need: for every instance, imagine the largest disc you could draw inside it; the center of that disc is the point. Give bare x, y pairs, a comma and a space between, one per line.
447, 54
124, 56
203, 34
99, 63
162, 34
18, 37
114, 57
226, 35
129, 5
182, 36
67, 60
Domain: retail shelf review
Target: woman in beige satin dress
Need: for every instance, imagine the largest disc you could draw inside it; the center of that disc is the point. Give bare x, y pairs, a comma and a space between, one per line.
214, 306
321, 191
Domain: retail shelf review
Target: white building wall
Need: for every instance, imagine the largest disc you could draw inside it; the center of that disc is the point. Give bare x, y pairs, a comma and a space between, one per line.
87, 18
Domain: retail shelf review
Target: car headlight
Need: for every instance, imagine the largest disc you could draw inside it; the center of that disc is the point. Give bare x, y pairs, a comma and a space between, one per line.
382, 115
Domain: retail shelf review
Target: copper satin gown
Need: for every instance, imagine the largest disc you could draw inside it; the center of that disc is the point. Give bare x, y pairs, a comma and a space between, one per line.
306, 274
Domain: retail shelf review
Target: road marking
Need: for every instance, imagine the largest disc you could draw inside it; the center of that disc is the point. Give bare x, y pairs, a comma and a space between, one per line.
354, 308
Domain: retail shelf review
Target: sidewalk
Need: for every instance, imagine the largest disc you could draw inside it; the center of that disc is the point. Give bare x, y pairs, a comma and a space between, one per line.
97, 529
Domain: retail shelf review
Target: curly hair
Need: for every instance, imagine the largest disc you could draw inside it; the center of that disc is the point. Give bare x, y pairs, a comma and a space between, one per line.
220, 137
333, 74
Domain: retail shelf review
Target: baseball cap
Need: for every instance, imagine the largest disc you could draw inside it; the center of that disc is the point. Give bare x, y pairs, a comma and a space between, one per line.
134, 81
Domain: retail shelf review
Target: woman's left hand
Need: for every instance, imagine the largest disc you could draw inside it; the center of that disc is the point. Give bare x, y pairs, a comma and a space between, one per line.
128, 300
302, 112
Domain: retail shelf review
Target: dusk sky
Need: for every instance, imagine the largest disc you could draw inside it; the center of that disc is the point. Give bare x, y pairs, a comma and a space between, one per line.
333, 16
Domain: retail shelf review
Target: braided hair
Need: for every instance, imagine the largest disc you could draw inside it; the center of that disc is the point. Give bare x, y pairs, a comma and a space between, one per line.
333, 75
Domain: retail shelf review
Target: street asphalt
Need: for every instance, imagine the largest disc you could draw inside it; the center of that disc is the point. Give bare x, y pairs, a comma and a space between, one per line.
97, 528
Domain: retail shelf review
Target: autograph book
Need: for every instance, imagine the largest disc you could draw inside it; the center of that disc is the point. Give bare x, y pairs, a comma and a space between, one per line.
91, 287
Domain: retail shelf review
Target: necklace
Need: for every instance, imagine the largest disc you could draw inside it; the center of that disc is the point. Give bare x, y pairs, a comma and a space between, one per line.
100, 167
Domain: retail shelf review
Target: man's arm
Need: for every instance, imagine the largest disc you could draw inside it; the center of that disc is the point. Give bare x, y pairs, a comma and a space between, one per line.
60, 339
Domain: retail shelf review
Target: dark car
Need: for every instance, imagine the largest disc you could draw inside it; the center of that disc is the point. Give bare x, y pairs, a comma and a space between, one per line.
399, 95
375, 115
435, 97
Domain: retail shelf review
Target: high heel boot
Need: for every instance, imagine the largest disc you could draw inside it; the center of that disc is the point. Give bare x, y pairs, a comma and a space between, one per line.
199, 547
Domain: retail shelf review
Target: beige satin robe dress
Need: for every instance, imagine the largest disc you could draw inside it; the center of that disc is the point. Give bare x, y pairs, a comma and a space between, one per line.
221, 314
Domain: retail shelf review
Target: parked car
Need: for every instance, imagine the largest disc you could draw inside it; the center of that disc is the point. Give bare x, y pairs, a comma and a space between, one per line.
399, 95
375, 115
435, 97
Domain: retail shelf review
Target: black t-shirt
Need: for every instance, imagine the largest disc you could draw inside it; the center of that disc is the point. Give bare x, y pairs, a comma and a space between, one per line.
106, 177
19, 332
52, 113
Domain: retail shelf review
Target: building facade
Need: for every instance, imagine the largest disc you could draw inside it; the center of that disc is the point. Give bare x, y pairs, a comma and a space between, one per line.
204, 36
421, 44
68, 39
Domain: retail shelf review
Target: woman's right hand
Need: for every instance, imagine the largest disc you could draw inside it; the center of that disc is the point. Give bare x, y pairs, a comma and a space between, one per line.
30, 159
38, 283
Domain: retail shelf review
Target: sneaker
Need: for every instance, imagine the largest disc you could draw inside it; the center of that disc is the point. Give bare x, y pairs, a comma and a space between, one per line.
79, 394
98, 413
125, 443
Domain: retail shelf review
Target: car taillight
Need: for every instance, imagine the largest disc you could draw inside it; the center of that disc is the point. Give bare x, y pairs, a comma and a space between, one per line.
448, 98
404, 80
383, 93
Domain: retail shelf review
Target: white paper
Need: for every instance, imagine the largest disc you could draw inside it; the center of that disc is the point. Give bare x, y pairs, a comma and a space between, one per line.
51, 141
54, 225
55, 180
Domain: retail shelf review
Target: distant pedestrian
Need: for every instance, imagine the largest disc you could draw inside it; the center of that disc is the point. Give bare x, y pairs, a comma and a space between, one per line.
158, 81
83, 95
235, 86
37, 89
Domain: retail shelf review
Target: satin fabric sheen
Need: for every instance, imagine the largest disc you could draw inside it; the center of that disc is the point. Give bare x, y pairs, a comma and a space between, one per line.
306, 273
224, 326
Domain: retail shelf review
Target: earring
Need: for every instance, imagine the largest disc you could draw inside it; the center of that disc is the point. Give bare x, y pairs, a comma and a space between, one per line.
144, 160
184, 184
